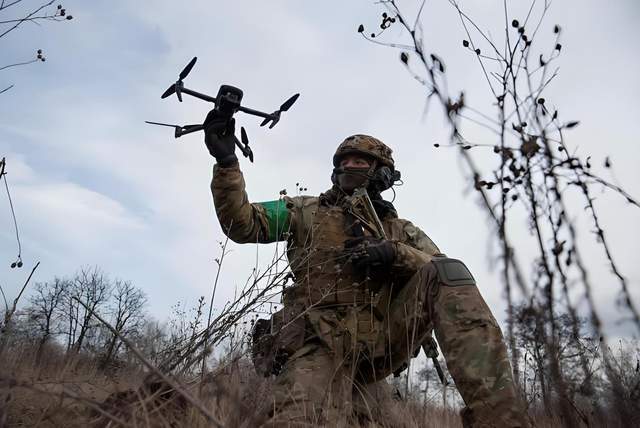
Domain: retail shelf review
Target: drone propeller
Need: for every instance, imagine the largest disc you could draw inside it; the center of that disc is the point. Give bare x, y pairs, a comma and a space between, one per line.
287, 104
179, 130
169, 91
177, 87
243, 136
275, 116
185, 72
246, 150
162, 124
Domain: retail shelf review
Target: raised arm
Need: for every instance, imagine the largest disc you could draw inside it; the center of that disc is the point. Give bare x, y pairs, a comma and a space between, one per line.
241, 220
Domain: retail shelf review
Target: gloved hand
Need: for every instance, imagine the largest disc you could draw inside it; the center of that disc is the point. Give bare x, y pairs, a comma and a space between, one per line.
220, 139
369, 251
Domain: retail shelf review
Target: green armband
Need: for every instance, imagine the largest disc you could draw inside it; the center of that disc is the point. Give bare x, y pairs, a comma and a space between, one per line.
278, 218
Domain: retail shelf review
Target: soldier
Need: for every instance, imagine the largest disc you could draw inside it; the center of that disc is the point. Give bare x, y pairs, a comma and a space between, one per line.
364, 300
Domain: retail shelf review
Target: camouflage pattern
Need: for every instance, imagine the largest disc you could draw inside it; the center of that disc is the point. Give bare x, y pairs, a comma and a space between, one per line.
356, 328
367, 145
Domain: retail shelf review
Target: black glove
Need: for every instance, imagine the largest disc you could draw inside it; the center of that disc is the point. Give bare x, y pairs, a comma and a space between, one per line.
369, 251
220, 139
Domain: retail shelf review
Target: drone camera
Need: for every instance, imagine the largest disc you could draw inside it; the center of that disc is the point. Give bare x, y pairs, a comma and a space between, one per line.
229, 98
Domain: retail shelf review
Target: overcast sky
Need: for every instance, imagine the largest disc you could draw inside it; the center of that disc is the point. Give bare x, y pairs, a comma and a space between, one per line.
92, 184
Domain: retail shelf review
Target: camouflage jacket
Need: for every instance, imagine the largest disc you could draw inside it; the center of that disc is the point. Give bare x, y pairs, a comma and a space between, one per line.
315, 229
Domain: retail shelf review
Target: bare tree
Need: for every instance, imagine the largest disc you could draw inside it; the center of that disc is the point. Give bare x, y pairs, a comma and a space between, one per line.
44, 308
92, 287
536, 377
127, 303
623, 388
69, 315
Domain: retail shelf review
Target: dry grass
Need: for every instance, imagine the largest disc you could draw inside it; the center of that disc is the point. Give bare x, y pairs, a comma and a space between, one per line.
63, 390
72, 391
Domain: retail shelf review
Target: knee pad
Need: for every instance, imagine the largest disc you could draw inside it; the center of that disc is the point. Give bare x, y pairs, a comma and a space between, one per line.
452, 272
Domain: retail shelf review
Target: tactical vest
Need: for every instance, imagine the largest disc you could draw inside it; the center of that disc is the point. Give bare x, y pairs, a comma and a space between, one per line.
344, 308
323, 275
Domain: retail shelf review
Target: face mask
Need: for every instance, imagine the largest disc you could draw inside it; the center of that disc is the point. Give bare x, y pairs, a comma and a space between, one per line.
349, 178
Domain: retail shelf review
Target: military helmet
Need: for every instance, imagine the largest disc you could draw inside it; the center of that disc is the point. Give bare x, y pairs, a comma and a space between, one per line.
364, 145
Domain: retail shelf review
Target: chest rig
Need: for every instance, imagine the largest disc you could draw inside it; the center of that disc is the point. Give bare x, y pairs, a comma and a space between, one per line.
324, 276
345, 307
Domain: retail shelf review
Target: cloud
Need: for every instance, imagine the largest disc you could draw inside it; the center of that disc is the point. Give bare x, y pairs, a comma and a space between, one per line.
61, 216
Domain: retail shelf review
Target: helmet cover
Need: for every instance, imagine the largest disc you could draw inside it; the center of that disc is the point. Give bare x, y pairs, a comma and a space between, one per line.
364, 145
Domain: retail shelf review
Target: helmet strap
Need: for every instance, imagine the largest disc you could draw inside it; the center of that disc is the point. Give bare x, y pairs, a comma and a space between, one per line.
372, 168
371, 173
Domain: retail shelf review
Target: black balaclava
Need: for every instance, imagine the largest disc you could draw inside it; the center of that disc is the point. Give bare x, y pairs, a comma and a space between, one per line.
349, 178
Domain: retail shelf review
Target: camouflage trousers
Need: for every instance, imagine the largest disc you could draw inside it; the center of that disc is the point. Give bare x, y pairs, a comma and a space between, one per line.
336, 379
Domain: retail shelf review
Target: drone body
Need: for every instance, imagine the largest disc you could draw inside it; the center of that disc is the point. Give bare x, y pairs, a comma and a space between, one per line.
227, 103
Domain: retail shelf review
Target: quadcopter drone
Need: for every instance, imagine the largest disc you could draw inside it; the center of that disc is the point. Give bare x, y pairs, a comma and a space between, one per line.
227, 103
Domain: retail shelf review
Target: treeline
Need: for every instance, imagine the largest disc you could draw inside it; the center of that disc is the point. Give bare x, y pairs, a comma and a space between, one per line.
59, 315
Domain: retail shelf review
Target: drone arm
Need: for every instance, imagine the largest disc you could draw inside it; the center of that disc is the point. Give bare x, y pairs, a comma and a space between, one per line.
255, 112
197, 94
187, 129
